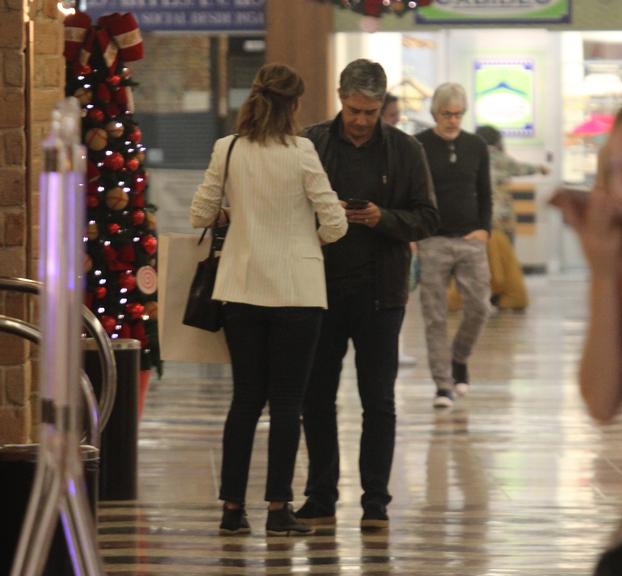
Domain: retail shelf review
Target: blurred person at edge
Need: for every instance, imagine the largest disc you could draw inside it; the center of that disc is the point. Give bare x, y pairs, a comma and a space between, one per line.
390, 113
382, 175
276, 188
596, 216
460, 167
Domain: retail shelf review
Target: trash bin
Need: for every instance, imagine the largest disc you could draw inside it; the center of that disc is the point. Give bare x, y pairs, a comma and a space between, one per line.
18, 464
118, 471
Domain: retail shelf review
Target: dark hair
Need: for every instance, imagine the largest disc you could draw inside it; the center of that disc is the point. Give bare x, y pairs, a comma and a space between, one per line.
388, 99
268, 111
490, 135
364, 77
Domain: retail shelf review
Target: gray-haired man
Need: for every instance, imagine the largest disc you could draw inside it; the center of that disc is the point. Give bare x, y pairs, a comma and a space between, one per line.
461, 172
382, 177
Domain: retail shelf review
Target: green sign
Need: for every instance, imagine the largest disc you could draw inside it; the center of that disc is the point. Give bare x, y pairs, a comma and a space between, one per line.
494, 12
504, 96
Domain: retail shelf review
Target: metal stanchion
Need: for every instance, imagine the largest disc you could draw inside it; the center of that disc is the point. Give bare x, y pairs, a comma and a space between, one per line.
59, 481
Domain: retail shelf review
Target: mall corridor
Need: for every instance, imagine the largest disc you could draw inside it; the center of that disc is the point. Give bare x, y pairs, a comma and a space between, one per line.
516, 480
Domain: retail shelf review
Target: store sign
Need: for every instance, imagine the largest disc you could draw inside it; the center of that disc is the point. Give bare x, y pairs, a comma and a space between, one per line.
504, 96
494, 12
210, 15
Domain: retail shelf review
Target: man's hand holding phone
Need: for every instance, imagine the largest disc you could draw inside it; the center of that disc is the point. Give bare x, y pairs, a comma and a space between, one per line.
359, 211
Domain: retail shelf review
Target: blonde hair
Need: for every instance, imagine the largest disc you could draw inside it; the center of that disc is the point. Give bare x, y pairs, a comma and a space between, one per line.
268, 111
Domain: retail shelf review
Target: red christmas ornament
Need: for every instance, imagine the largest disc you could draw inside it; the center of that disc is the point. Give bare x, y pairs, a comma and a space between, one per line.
96, 115
138, 332
100, 292
126, 330
113, 228
149, 243
108, 322
84, 70
114, 80
114, 161
136, 135
138, 217
138, 201
135, 310
132, 164
127, 281
92, 201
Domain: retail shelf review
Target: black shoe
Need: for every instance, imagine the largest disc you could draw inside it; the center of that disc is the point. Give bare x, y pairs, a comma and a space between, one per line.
234, 521
282, 522
313, 514
460, 373
443, 399
374, 517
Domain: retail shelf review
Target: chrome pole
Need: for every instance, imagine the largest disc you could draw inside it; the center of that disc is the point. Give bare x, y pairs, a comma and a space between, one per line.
59, 486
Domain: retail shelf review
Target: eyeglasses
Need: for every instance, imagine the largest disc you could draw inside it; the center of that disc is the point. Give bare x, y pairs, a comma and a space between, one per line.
448, 115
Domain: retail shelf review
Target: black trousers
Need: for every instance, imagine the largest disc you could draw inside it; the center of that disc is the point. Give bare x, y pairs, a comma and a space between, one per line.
352, 314
271, 351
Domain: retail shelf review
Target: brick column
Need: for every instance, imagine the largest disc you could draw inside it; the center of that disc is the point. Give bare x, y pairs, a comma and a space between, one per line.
27, 96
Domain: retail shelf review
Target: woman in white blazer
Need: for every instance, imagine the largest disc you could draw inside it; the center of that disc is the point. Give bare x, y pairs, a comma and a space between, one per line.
271, 277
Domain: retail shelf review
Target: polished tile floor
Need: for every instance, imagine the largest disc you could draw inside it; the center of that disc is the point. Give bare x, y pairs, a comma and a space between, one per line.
515, 480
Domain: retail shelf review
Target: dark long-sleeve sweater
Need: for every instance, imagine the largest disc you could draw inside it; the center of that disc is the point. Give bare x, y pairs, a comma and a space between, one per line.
461, 173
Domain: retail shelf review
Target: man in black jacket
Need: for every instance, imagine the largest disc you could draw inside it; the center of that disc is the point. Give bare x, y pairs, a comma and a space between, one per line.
461, 171
382, 177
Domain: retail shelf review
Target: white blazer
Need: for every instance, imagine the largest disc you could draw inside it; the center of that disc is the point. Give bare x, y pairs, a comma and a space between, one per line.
272, 254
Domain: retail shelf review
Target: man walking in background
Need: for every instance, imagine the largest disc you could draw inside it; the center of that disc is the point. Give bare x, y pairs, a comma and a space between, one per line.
460, 168
381, 175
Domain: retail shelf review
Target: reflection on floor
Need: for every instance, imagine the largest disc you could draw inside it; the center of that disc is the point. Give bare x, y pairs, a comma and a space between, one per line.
515, 480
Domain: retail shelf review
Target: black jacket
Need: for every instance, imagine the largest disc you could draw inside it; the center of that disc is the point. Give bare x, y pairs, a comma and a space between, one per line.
408, 205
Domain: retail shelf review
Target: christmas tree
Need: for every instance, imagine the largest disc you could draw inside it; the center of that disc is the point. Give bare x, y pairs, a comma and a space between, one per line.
120, 228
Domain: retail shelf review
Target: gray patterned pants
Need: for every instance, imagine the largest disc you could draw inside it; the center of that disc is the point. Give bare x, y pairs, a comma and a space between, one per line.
440, 258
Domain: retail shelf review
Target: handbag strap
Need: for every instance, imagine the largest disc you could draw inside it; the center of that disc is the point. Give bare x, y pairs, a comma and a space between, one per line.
224, 181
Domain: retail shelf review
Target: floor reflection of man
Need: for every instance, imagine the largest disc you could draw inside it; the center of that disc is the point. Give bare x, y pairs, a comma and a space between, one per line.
453, 466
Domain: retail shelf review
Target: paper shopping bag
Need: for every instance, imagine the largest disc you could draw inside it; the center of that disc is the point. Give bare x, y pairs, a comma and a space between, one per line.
178, 256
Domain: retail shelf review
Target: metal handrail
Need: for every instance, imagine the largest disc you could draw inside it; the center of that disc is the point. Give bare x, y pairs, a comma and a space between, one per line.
95, 330
29, 331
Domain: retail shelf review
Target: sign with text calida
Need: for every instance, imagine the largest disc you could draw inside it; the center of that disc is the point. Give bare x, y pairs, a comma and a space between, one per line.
494, 12
210, 15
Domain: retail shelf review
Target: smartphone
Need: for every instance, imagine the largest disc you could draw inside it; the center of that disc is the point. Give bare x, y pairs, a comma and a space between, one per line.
356, 203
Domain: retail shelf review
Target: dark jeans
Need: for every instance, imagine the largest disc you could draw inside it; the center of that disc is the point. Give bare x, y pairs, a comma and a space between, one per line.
271, 354
352, 314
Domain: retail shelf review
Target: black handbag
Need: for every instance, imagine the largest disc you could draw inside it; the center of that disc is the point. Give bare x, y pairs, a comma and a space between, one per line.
202, 311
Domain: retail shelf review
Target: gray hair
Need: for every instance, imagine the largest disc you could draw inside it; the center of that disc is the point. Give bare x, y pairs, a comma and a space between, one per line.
364, 77
446, 94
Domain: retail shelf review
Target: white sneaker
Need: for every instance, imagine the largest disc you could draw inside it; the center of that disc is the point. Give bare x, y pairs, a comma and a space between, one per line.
462, 389
443, 399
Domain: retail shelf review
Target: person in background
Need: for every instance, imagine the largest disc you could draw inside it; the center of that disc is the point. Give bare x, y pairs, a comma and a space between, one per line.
502, 169
460, 167
381, 175
596, 216
276, 189
390, 113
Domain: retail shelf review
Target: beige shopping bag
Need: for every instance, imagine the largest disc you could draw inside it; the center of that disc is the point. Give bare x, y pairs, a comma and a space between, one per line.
178, 256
